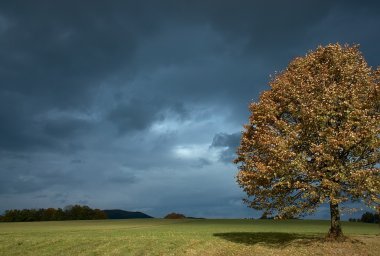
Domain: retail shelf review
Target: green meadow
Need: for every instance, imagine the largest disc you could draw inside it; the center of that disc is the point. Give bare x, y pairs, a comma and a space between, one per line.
185, 237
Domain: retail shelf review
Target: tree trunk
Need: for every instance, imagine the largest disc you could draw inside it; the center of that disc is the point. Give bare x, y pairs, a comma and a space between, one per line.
335, 231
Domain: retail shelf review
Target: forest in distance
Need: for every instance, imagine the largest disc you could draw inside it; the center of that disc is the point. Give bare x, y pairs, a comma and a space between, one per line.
84, 212
71, 212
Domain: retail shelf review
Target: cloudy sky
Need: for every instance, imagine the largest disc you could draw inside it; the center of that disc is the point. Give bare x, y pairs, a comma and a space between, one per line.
139, 105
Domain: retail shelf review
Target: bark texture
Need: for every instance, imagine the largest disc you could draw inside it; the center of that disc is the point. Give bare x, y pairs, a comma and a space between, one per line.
335, 231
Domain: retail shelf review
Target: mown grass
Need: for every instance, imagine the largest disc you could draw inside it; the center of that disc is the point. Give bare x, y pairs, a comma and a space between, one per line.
185, 237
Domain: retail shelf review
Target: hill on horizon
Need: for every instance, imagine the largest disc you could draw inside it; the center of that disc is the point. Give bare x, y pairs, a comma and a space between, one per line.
121, 214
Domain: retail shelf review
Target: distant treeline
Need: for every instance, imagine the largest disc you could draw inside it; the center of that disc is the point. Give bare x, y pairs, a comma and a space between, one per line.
75, 212
174, 215
367, 217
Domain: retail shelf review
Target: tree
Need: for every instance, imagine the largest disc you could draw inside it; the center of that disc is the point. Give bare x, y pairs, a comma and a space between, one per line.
72, 212
368, 217
314, 137
174, 215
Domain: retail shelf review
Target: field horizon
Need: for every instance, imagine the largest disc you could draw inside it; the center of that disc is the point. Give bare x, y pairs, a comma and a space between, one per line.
185, 237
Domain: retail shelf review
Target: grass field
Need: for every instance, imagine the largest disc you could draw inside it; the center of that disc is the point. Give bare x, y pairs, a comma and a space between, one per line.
185, 237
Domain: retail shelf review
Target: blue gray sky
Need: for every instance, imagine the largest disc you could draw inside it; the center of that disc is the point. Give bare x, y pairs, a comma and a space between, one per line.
139, 105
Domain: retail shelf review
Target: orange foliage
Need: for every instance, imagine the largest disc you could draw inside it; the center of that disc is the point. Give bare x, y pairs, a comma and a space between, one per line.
314, 137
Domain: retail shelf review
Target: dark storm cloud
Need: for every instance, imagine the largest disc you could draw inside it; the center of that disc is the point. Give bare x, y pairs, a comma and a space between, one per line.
16, 125
59, 54
228, 143
136, 115
122, 178
66, 128
61, 57
226, 140
105, 94
20, 181
132, 116
24, 128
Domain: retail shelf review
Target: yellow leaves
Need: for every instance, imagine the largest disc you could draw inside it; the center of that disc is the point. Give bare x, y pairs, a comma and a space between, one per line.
316, 149
326, 183
316, 131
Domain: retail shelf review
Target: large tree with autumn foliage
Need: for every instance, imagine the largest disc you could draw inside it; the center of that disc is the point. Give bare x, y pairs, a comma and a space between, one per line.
314, 137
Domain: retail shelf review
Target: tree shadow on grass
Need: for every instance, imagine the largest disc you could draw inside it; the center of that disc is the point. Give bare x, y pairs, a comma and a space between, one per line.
271, 239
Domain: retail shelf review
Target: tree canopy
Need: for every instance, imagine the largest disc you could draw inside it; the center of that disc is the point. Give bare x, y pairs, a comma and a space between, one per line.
314, 137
